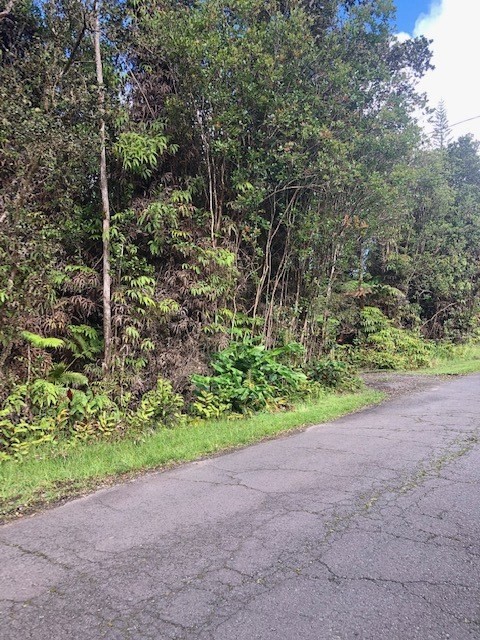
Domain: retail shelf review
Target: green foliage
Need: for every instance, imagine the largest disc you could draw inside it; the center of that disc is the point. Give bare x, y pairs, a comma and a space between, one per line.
441, 128
39, 342
381, 345
17, 439
16, 434
268, 184
334, 374
49, 411
237, 326
161, 407
44, 394
45, 411
208, 405
60, 375
84, 341
139, 152
247, 377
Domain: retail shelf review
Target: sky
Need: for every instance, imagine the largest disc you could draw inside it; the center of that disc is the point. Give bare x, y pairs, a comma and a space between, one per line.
454, 27
408, 12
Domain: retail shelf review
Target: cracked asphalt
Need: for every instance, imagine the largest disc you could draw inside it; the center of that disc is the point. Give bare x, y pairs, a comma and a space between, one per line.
364, 528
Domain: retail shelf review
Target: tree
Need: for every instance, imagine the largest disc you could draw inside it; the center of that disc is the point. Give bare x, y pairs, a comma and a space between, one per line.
46, 174
259, 172
8, 9
107, 281
441, 128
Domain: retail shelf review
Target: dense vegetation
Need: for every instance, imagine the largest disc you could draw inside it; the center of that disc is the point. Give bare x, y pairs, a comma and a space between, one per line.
241, 183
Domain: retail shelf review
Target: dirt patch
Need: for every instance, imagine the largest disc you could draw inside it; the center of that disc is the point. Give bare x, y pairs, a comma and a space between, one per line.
398, 384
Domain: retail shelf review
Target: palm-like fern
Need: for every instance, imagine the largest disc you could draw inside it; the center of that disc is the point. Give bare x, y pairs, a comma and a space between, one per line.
39, 342
60, 376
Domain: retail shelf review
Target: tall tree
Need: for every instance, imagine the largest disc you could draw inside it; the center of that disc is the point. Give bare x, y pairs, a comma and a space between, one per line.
441, 127
107, 280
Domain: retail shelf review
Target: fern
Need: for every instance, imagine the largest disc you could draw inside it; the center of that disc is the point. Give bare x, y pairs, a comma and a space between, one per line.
84, 342
39, 342
59, 375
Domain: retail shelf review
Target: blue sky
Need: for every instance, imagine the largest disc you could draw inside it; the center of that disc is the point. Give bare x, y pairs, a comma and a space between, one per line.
453, 26
408, 11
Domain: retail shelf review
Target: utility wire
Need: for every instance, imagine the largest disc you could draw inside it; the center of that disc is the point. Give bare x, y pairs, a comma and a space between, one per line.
463, 121
455, 124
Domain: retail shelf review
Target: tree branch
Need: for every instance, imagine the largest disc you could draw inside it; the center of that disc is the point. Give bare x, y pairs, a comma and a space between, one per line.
75, 47
452, 304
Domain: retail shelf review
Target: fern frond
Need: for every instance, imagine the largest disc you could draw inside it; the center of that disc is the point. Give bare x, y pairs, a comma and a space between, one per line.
59, 375
39, 342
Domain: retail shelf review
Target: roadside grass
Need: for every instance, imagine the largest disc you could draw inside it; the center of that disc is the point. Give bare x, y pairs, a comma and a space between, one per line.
53, 474
464, 360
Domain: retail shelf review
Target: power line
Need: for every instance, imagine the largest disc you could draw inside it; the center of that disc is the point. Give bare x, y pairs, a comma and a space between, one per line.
463, 121
455, 124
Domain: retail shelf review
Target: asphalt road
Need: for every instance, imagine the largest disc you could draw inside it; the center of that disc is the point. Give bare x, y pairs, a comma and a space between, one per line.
368, 527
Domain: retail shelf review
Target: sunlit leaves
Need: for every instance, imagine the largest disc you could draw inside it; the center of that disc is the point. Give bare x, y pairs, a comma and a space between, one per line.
140, 153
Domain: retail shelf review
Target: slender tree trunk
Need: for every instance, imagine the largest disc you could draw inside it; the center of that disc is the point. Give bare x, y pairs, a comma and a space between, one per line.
361, 297
269, 312
265, 272
107, 282
211, 175
328, 295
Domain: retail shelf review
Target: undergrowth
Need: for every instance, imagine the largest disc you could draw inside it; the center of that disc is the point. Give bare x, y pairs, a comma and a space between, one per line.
64, 410
382, 345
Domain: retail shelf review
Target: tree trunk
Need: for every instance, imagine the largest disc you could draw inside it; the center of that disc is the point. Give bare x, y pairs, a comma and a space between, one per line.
328, 295
107, 286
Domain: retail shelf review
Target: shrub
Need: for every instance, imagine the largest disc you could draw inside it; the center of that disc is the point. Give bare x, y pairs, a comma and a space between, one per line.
208, 405
381, 345
16, 439
334, 374
43, 411
247, 377
160, 407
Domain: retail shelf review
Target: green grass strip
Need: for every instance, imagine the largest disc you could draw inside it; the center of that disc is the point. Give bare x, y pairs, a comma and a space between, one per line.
46, 478
453, 368
467, 361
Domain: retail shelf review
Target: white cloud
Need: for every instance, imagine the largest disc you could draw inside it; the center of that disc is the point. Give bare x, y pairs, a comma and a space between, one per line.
403, 37
454, 26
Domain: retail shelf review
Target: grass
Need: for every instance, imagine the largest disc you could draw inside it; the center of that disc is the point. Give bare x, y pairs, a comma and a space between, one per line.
462, 361
57, 474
